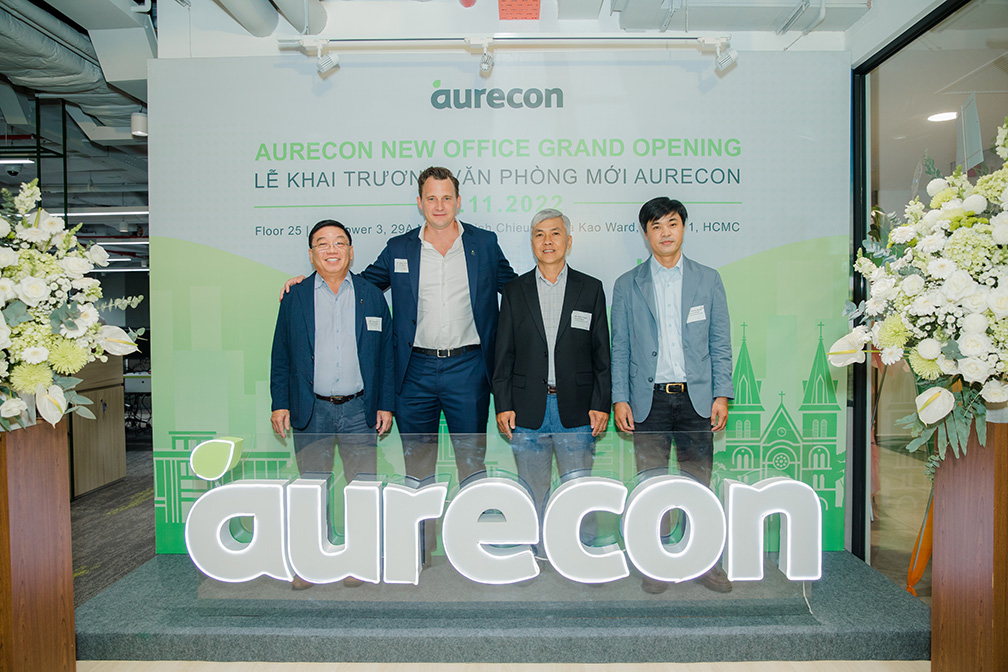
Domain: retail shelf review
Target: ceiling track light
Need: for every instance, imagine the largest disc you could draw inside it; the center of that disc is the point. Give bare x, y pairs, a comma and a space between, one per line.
725, 59
486, 63
325, 63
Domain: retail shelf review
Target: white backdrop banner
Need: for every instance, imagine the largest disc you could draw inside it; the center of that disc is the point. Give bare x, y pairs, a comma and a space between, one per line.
247, 154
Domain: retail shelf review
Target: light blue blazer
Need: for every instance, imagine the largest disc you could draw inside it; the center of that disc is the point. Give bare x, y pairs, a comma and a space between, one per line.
706, 341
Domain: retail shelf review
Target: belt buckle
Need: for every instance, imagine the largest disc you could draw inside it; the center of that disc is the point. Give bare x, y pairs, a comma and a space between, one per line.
446, 351
673, 388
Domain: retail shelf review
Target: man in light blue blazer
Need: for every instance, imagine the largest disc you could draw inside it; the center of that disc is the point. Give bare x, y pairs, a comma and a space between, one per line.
671, 357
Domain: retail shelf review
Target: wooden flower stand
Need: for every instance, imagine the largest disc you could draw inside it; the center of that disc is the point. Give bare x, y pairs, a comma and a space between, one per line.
36, 565
969, 607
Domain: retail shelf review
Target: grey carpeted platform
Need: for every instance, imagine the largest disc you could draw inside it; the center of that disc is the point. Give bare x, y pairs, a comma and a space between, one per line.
166, 610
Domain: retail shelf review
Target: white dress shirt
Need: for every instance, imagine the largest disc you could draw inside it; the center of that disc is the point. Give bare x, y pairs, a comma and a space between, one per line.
444, 311
668, 300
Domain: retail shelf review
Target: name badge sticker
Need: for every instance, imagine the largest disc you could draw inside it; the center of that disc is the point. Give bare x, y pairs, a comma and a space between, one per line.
580, 320
373, 323
696, 314
401, 266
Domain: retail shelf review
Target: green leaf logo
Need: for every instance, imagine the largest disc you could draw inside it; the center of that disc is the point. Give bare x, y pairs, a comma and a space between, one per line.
437, 83
212, 459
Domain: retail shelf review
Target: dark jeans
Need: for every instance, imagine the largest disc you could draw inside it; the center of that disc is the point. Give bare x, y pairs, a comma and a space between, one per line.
673, 420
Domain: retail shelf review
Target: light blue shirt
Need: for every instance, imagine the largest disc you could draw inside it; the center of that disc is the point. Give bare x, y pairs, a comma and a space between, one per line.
668, 301
337, 370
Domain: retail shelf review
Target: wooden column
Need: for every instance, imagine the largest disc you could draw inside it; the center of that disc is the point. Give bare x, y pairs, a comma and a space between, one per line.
969, 606
36, 564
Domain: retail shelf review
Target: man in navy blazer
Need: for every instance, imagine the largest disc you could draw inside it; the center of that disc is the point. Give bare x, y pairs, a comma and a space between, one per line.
445, 277
551, 381
333, 376
671, 357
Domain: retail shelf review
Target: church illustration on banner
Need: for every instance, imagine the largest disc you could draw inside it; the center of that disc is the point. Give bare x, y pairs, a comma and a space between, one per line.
808, 450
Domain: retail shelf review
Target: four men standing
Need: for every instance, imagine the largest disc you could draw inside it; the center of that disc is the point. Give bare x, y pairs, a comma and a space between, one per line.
671, 352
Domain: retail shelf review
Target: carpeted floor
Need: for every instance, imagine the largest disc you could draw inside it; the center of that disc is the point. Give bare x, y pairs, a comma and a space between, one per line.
113, 527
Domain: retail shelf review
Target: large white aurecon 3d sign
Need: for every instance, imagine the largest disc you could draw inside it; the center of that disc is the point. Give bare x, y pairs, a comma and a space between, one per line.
289, 530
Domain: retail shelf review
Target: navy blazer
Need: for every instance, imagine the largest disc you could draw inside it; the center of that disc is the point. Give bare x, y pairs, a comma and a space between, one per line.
292, 370
706, 338
581, 355
488, 272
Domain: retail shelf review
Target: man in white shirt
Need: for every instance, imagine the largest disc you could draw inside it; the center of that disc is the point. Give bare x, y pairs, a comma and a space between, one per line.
445, 277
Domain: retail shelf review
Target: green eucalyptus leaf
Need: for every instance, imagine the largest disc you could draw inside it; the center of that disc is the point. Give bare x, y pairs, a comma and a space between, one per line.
16, 312
84, 412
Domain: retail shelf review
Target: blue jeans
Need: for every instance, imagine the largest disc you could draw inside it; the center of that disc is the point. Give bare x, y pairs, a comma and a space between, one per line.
346, 424
574, 448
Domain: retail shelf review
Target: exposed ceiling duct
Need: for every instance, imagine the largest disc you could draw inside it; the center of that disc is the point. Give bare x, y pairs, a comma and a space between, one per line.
260, 17
48, 56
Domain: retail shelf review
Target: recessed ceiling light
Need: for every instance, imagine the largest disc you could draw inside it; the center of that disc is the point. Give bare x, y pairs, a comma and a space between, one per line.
943, 116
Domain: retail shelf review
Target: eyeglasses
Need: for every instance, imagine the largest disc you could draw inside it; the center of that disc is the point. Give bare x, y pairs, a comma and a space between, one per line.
323, 246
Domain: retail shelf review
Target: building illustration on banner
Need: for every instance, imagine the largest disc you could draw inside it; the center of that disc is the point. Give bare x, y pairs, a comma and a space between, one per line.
755, 449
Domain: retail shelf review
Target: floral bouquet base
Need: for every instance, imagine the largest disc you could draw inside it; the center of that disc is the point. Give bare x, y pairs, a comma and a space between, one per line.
939, 299
49, 321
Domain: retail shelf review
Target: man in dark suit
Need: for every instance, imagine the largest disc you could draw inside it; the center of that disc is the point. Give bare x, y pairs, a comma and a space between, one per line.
445, 276
551, 383
331, 364
671, 358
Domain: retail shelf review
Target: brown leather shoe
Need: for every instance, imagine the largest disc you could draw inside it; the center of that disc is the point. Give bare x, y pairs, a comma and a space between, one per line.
715, 579
352, 582
653, 587
300, 584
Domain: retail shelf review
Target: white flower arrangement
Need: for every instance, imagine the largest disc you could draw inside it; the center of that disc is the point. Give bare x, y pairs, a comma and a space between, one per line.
49, 324
939, 299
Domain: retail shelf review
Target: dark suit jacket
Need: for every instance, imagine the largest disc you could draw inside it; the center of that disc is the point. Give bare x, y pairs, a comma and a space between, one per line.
292, 370
488, 271
581, 355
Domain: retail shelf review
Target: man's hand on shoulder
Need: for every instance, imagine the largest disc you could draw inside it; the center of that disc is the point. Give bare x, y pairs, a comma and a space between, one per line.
506, 422
290, 283
384, 423
624, 416
599, 421
280, 419
719, 414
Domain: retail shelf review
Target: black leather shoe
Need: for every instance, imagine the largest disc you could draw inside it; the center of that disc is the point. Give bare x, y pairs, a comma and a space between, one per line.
715, 579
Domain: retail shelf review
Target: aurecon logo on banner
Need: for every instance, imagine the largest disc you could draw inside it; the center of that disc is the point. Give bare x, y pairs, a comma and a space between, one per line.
290, 529
515, 98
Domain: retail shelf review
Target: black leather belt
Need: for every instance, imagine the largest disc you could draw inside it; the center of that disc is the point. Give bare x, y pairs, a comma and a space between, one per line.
551, 389
447, 352
670, 388
340, 400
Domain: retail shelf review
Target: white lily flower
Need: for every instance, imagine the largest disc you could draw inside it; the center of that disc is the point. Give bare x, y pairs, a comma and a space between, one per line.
933, 404
51, 403
847, 350
115, 341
